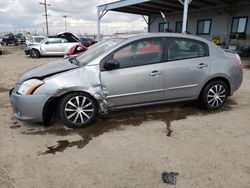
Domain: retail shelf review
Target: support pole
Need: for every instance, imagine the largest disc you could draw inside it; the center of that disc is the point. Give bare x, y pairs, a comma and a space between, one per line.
46, 17
99, 17
185, 14
65, 23
45, 4
98, 25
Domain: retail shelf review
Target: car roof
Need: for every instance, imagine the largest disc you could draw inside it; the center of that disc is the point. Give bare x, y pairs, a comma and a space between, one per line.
179, 35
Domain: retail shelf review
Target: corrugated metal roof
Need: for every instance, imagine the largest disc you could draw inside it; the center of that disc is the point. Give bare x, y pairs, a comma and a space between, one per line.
149, 7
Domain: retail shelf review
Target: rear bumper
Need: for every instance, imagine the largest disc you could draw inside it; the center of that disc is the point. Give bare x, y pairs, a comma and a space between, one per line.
28, 108
236, 80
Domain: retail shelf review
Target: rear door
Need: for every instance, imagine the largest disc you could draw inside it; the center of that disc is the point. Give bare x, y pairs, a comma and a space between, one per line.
187, 67
140, 77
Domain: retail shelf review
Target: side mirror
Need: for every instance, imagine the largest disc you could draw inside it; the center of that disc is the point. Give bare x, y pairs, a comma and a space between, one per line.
111, 64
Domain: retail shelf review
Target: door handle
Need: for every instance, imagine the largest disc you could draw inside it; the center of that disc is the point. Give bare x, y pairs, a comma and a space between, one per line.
202, 65
155, 73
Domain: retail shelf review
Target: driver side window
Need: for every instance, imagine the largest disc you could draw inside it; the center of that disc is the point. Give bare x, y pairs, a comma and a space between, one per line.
143, 52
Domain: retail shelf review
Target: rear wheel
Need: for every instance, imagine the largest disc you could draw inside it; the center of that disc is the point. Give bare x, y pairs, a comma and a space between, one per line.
214, 95
34, 53
78, 110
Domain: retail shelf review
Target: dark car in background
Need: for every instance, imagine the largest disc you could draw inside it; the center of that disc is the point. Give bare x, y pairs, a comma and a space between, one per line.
21, 39
10, 39
87, 41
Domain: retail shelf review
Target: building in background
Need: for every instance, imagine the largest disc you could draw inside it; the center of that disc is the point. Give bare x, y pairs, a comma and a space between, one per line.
226, 22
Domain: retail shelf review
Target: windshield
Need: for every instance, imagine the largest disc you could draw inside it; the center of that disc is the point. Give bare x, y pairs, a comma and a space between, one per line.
97, 50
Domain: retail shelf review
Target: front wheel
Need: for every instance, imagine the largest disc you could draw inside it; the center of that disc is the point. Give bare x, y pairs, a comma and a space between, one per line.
78, 110
214, 95
34, 53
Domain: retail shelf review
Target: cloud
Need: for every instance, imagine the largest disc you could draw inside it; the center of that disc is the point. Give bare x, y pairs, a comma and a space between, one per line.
26, 15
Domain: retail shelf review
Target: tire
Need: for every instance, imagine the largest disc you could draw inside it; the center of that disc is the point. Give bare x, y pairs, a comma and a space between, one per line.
78, 110
34, 53
213, 95
5, 43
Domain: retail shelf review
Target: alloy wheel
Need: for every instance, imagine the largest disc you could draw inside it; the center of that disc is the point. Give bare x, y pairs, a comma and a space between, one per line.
216, 95
79, 109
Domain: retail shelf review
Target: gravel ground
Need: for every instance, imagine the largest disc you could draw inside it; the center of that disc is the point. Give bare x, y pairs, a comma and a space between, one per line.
129, 148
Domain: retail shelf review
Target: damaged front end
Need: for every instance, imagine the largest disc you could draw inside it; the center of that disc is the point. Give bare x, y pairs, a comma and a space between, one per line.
83, 79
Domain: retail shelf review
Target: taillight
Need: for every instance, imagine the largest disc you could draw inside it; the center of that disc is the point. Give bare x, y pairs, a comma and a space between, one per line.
239, 61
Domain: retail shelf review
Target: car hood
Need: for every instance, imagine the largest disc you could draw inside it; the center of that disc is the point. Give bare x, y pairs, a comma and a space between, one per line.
47, 70
34, 44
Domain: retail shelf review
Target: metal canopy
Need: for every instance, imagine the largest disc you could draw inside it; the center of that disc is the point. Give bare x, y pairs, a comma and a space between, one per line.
154, 7
149, 7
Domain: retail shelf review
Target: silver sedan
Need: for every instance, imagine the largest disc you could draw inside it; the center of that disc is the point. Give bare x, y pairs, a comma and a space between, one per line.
120, 73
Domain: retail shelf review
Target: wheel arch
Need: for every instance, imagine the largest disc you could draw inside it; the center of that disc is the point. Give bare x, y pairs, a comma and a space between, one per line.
51, 107
221, 78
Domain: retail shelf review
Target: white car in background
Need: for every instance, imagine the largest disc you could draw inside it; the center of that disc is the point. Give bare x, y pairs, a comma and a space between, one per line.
34, 40
57, 45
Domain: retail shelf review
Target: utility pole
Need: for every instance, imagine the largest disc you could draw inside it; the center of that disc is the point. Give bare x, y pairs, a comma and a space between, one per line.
45, 4
65, 23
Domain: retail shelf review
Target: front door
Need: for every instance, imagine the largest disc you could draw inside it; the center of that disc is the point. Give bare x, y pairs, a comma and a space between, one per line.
140, 77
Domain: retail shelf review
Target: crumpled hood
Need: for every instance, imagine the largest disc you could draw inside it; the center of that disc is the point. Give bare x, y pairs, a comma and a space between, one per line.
48, 69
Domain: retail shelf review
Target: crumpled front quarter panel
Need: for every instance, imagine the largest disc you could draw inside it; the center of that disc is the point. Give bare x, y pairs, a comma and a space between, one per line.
86, 78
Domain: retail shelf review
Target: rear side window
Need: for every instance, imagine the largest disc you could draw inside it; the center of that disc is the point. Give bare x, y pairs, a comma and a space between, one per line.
180, 48
143, 52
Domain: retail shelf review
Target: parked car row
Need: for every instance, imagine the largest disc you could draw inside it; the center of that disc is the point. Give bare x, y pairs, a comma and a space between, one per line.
58, 45
52, 46
13, 39
63, 44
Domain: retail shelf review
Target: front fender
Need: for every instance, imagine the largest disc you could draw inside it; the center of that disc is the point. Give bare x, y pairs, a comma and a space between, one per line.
36, 48
84, 79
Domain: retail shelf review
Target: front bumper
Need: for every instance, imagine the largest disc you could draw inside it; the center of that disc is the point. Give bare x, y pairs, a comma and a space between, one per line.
27, 51
28, 108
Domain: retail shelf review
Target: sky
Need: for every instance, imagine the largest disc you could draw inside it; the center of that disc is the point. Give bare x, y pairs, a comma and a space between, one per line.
28, 15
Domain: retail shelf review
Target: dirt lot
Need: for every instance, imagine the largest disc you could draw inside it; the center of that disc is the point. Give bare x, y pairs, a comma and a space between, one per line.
128, 149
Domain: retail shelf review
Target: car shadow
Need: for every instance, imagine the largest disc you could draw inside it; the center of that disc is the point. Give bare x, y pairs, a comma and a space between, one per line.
120, 120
